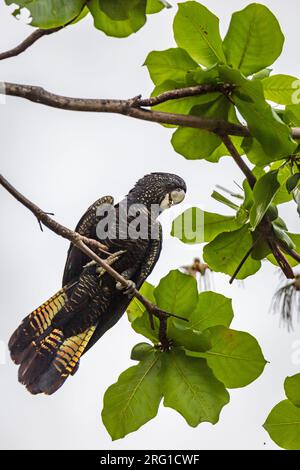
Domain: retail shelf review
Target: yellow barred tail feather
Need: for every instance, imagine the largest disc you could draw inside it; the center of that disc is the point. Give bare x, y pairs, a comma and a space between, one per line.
63, 362
35, 326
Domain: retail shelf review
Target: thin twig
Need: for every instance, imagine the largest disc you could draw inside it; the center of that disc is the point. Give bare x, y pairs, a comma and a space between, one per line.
241, 264
31, 39
85, 244
196, 90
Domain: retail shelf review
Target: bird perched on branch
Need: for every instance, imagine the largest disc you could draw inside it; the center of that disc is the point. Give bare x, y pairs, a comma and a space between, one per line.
50, 341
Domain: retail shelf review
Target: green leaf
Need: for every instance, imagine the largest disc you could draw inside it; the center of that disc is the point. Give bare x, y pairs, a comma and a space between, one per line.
292, 112
224, 200
281, 234
292, 389
284, 173
256, 153
212, 309
235, 357
292, 182
177, 293
264, 73
295, 238
254, 39
227, 250
280, 88
190, 388
135, 308
264, 192
84, 12
197, 226
171, 64
283, 425
195, 144
196, 30
142, 326
198, 143
117, 9
104, 14
140, 351
265, 125
134, 399
154, 6
50, 13
183, 335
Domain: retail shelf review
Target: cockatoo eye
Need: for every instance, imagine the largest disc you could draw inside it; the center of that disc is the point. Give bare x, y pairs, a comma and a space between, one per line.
177, 196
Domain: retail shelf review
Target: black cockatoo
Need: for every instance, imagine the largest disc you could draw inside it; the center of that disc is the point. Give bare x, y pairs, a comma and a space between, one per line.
50, 341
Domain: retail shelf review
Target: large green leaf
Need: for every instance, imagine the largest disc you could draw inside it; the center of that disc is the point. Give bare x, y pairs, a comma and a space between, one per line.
254, 39
50, 13
292, 389
197, 226
235, 357
280, 88
117, 9
184, 335
135, 308
105, 16
140, 351
142, 326
264, 192
264, 124
198, 143
195, 144
154, 6
190, 388
171, 64
212, 309
292, 112
134, 399
283, 425
196, 30
177, 293
227, 250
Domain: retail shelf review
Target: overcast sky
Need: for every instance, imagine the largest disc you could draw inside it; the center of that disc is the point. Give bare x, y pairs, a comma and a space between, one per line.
64, 161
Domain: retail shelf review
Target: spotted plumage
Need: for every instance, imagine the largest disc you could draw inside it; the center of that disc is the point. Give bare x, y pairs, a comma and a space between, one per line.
50, 341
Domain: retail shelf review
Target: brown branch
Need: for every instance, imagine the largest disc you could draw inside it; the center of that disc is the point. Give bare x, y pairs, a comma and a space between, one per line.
265, 224
132, 107
129, 107
31, 39
196, 90
85, 244
290, 251
238, 160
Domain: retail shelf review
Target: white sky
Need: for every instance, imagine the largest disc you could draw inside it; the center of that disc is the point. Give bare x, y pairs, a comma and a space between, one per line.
64, 161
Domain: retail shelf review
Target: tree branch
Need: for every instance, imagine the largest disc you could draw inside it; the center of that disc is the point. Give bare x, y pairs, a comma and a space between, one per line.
130, 107
31, 39
238, 160
133, 107
85, 244
196, 90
